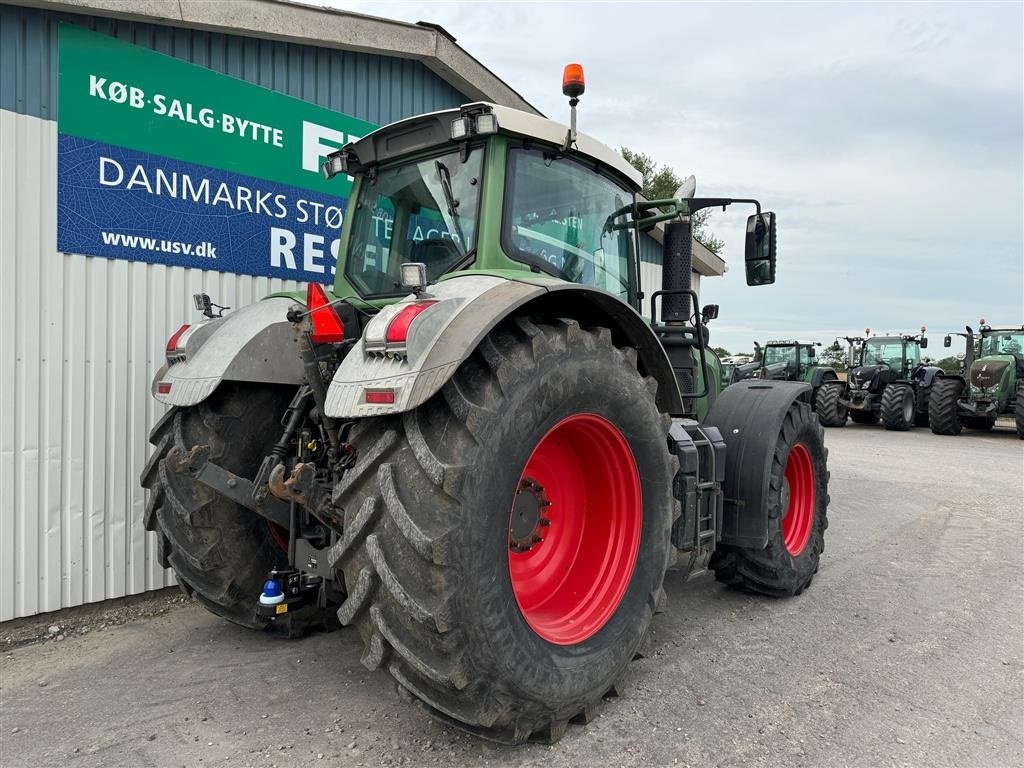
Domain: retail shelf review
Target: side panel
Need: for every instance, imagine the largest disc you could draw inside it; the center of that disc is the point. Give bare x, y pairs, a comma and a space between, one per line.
749, 415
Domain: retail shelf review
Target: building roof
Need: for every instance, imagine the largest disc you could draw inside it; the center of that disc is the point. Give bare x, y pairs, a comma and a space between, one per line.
312, 25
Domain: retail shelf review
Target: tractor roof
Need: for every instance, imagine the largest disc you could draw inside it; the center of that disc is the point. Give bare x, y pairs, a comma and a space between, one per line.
1009, 329
789, 343
435, 128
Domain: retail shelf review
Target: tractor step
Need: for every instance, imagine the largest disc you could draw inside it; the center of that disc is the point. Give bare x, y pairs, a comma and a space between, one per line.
698, 487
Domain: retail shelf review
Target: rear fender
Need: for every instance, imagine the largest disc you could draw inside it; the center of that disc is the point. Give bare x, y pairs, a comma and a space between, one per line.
253, 343
749, 415
468, 308
926, 374
821, 375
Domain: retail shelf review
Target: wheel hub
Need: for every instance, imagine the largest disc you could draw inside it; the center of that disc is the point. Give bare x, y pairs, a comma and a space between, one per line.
527, 520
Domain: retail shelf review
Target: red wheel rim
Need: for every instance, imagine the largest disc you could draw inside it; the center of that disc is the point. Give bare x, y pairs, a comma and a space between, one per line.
799, 517
582, 487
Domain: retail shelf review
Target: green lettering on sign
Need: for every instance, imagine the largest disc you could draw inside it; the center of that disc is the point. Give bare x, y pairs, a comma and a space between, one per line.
117, 93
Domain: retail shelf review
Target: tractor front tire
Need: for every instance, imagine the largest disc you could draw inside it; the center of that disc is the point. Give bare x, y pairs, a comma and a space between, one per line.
943, 406
1018, 410
219, 550
831, 412
470, 573
797, 515
898, 407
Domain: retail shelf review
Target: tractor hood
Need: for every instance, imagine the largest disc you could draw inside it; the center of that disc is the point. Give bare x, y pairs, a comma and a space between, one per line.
866, 376
992, 372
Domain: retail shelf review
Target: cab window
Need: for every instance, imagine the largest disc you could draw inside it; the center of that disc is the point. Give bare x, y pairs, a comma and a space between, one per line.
558, 219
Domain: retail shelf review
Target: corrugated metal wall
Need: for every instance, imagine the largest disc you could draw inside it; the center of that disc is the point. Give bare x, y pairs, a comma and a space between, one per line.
80, 337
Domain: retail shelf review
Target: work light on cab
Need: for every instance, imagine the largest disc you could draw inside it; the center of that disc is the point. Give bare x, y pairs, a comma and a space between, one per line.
327, 326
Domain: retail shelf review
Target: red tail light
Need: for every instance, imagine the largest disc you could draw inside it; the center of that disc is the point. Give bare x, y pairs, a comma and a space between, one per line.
172, 343
380, 396
327, 326
398, 329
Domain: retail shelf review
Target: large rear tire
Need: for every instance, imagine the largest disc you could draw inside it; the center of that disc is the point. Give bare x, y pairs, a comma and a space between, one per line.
943, 408
797, 515
544, 422
831, 412
220, 551
898, 407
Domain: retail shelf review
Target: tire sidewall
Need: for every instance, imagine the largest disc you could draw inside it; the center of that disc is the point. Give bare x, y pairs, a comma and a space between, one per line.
805, 564
565, 382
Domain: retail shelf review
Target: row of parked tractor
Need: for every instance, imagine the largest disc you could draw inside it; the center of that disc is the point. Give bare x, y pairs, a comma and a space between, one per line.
889, 381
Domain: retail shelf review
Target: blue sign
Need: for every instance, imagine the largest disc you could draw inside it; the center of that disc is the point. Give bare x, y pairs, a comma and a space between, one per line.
126, 204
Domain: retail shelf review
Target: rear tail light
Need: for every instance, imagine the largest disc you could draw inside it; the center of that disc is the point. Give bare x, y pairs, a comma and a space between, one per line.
176, 344
380, 396
398, 328
172, 343
327, 325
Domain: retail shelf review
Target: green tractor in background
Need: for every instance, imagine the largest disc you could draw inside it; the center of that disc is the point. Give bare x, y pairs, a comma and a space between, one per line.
790, 360
887, 381
991, 383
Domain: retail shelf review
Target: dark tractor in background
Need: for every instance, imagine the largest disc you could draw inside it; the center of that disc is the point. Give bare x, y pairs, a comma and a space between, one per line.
990, 384
790, 360
887, 381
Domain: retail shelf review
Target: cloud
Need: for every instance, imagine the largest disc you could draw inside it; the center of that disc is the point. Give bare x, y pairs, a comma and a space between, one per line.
887, 137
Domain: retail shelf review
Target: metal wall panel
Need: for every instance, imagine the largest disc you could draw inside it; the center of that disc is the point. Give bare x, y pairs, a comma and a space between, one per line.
81, 340
81, 337
374, 88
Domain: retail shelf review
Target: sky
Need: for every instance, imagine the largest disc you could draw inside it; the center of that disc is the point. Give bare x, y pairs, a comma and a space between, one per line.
887, 138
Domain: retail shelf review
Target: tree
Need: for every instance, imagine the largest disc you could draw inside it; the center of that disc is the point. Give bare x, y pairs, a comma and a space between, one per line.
661, 182
950, 364
833, 356
721, 351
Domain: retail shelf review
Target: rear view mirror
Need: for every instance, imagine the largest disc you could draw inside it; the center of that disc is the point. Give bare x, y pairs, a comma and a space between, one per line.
811, 352
759, 256
947, 342
924, 342
710, 312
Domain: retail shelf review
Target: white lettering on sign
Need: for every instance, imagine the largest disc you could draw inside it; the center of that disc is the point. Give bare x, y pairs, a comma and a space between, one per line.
313, 147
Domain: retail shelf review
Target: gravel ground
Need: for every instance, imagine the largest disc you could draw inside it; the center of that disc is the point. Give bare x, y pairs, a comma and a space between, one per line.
907, 650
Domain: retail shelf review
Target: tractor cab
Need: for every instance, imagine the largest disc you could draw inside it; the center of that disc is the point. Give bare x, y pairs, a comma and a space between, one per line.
787, 360
485, 188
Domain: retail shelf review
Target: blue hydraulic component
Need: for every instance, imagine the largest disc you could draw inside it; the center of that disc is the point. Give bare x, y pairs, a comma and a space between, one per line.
272, 593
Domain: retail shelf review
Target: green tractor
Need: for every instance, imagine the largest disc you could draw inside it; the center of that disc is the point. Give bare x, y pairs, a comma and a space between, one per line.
475, 448
991, 383
886, 381
790, 360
